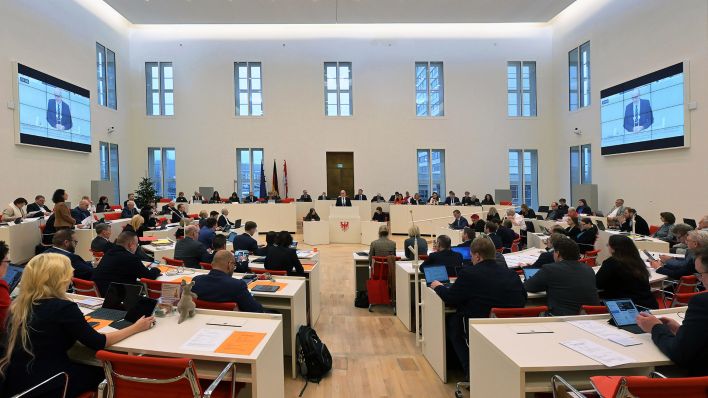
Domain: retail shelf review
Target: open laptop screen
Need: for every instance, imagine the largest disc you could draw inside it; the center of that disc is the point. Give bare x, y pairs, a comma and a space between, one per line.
435, 273
530, 272
13, 275
122, 296
464, 251
622, 311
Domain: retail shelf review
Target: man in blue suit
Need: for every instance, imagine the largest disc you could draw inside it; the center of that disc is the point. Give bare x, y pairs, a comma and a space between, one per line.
58, 112
220, 286
64, 243
638, 115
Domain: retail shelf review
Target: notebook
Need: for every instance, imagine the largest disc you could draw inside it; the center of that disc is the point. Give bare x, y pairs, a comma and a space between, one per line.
436, 273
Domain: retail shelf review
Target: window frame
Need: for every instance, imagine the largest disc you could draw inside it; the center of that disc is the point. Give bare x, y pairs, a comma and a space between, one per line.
520, 91
580, 78
106, 164
430, 178
107, 94
521, 166
584, 166
338, 91
253, 182
161, 186
428, 91
249, 90
161, 91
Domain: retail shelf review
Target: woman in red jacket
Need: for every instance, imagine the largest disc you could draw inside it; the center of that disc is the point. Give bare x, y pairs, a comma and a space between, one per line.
4, 288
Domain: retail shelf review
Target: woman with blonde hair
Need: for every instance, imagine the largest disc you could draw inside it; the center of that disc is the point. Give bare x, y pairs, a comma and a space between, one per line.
136, 225
44, 324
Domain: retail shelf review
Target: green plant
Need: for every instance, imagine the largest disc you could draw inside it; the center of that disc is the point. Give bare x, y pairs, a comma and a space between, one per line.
146, 193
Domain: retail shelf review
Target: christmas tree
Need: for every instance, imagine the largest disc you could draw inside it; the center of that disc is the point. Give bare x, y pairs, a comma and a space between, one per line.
146, 193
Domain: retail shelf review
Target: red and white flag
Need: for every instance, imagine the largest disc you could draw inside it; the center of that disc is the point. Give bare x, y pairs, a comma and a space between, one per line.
285, 176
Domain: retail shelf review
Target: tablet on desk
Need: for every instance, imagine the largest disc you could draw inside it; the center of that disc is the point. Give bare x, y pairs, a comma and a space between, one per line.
624, 314
530, 272
265, 288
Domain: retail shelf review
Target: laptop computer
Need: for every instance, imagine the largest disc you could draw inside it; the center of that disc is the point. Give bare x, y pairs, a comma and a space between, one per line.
543, 209
529, 226
226, 227
13, 276
145, 306
599, 214
530, 272
119, 299
624, 314
293, 245
600, 225
464, 251
540, 218
231, 237
690, 222
237, 224
436, 273
544, 230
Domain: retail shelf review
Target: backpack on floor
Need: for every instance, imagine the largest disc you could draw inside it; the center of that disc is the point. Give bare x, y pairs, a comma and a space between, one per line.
313, 358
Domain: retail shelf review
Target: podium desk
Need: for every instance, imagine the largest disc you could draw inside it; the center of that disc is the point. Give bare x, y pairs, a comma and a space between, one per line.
315, 232
262, 370
167, 233
290, 302
302, 208
642, 242
506, 364
370, 231
22, 239
268, 216
345, 229
322, 208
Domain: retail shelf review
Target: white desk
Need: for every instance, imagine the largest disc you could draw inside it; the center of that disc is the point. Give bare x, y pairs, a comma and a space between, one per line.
405, 294
268, 216
536, 240
642, 243
158, 252
315, 232
506, 364
167, 233
22, 239
262, 370
345, 229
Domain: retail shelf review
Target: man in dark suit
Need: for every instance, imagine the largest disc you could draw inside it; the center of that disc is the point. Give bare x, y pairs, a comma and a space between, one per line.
223, 219
360, 195
452, 199
459, 222
323, 196
81, 212
479, 288
587, 236
638, 115
129, 211
190, 250
547, 256
468, 235
490, 228
38, 206
251, 198
378, 198
101, 243
179, 214
444, 256
168, 209
219, 285
554, 213
64, 243
675, 268
685, 344
468, 200
120, 264
342, 200
245, 241
416, 200
507, 235
305, 197
131, 198
633, 222
58, 112
567, 282
562, 207
394, 196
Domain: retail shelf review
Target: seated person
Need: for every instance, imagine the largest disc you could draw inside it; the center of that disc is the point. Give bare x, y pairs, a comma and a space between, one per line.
633, 222
148, 215
101, 243
452, 199
271, 237
507, 235
554, 213
459, 222
81, 212
234, 198
38, 207
677, 267
383, 246
45, 324
493, 215
479, 287
378, 198
219, 286
305, 197
684, 343
179, 214
168, 209
190, 250
223, 219
181, 198
64, 243
392, 198
131, 197
416, 200
547, 256
197, 197
587, 235
103, 206
245, 241
478, 223
488, 200
360, 195
434, 199
568, 283
413, 236
215, 197
573, 228
667, 222
490, 228
208, 232
703, 224
616, 212
468, 235
323, 196
120, 264
273, 197
444, 256
468, 200
379, 215
563, 206
14, 210
203, 215
311, 215
219, 243
136, 225
583, 207
624, 275
129, 211
400, 200
527, 212
282, 258
516, 219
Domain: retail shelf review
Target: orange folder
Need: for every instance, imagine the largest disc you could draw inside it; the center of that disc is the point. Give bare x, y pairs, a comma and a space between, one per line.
240, 343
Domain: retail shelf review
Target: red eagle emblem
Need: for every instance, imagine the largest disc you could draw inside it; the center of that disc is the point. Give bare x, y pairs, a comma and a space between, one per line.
344, 225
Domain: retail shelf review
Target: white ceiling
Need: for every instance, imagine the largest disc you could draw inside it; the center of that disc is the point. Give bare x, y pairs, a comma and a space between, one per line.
336, 11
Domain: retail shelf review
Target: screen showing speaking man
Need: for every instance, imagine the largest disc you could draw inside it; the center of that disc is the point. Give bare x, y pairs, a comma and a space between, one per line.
637, 114
58, 111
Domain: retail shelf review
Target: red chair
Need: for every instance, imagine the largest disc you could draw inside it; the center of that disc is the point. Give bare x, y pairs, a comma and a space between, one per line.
653, 229
500, 250
173, 262
111, 216
287, 200
84, 287
224, 200
422, 257
593, 309
193, 216
116, 207
682, 299
165, 200
212, 305
515, 245
592, 254
526, 312
206, 266
274, 272
589, 261
656, 386
378, 284
685, 285
154, 288
143, 376
505, 203
161, 219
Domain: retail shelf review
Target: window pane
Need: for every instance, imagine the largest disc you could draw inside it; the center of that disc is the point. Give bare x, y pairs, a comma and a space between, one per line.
438, 171
151, 85
586, 165
243, 171
531, 178
257, 155
155, 168
115, 169
103, 161
101, 74
112, 99
574, 168
424, 173
170, 173
573, 80
585, 74
515, 176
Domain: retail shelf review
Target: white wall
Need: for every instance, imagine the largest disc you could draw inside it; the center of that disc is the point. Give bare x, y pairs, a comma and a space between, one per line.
384, 132
630, 38
59, 38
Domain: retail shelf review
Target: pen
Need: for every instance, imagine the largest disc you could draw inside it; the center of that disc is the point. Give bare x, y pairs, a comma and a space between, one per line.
223, 324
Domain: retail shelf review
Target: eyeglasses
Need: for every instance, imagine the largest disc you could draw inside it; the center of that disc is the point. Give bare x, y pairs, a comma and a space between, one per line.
5, 261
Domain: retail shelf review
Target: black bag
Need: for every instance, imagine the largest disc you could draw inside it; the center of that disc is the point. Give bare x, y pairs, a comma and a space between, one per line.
313, 357
362, 299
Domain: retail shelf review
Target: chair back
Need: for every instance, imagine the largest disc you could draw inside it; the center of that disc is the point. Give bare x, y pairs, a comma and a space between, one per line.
275, 272
212, 305
111, 216
653, 229
165, 200
687, 284
154, 288
593, 309
422, 257
515, 245
500, 250
592, 253
84, 287
116, 207
142, 376
55, 386
526, 312
646, 387
379, 268
193, 216
206, 266
173, 262
505, 203
682, 299
590, 261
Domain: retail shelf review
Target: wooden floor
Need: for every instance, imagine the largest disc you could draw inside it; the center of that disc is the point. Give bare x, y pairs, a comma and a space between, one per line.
373, 354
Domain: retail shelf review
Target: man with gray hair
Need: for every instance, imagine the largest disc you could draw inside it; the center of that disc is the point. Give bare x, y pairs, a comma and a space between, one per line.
101, 243
383, 246
677, 267
703, 224
58, 112
129, 211
190, 250
82, 211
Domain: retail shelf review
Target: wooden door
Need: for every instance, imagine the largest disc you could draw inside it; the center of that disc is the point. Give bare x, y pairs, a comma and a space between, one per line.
340, 173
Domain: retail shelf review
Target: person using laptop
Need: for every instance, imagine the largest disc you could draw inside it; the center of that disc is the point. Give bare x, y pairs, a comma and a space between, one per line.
101, 243
64, 243
15, 210
281, 257
181, 213
4, 287
208, 232
507, 234
677, 267
44, 324
547, 256
219, 285
223, 219
459, 222
567, 282
443, 255
479, 288
383, 246
685, 344
624, 274
190, 250
120, 264
490, 228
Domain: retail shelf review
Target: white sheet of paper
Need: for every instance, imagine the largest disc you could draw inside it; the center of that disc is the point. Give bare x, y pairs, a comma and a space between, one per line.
625, 341
599, 328
597, 352
90, 302
530, 329
207, 339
